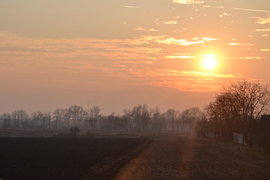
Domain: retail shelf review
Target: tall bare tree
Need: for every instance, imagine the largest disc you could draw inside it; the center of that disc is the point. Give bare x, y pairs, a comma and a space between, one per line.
18, 116
6, 121
158, 119
189, 117
76, 113
238, 106
172, 115
141, 116
59, 116
93, 116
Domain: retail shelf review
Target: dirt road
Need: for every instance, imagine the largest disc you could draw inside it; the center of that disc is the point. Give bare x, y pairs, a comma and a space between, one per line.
188, 158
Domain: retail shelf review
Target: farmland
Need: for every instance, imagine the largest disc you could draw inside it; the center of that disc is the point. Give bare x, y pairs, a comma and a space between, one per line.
159, 156
65, 158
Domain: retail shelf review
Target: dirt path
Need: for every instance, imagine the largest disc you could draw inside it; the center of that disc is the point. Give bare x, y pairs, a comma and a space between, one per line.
187, 158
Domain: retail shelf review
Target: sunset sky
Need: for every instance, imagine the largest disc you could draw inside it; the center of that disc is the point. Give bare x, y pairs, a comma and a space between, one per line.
116, 54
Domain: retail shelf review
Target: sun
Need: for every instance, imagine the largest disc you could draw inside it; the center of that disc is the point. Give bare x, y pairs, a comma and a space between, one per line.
209, 61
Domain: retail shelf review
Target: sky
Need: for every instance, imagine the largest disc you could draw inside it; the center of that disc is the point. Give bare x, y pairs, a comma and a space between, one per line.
116, 54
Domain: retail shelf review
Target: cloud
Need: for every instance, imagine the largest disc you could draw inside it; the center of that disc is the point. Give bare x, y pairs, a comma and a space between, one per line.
133, 7
263, 30
192, 80
264, 20
238, 44
224, 14
143, 29
97, 62
170, 22
20, 47
244, 57
185, 42
180, 56
188, 1
265, 50
256, 10
217, 7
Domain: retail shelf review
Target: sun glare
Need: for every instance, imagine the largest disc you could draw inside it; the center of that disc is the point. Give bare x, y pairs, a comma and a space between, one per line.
209, 61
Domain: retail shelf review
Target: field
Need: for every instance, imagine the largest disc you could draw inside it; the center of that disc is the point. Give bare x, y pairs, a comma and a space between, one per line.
184, 157
162, 156
65, 158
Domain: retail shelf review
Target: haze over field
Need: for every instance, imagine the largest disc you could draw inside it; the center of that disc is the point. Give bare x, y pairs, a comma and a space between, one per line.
116, 54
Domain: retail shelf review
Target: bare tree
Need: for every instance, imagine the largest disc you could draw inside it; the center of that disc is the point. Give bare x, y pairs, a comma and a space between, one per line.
40, 119
127, 117
59, 116
141, 116
6, 120
158, 120
189, 117
238, 106
18, 116
76, 113
171, 115
93, 116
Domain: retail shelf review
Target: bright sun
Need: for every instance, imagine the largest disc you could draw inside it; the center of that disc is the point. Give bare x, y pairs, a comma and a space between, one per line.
209, 62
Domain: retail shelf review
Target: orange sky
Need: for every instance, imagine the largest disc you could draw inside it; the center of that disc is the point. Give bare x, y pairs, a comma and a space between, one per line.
117, 54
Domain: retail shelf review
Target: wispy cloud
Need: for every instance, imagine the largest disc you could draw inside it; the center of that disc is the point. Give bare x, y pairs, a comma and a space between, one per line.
143, 29
265, 50
217, 7
133, 7
256, 10
245, 57
180, 56
224, 14
239, 44
263, 30
185, 42
170, 22
264, 20
192, 80
188, 1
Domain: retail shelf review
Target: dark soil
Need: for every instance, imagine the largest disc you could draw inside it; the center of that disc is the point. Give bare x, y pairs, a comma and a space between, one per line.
168, 156
65, 158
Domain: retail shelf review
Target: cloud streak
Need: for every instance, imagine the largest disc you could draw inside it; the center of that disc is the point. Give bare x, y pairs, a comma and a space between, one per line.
184, 42
132, 7
188, 1
255, 10
143, 29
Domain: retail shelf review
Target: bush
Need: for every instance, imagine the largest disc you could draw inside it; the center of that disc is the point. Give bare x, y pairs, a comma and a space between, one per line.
74, 130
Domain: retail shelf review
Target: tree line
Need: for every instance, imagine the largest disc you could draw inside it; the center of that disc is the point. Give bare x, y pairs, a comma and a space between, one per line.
138, 118
238, 109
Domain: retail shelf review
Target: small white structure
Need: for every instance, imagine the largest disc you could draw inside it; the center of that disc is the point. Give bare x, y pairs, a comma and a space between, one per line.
238, 138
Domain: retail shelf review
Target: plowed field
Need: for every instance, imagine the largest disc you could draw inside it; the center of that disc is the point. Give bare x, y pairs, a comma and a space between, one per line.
171, 156
188, 158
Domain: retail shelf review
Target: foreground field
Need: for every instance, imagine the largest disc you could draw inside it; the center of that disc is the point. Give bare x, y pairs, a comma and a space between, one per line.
65, 158
184, 157
164, 156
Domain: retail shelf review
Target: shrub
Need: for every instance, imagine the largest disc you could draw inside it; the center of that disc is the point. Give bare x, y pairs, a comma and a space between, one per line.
74, 130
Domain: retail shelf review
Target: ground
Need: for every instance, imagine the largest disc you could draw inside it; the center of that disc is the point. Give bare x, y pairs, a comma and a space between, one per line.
185, 157
162, 156
65, 158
